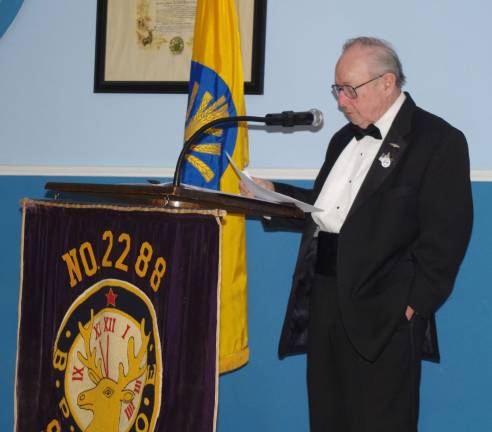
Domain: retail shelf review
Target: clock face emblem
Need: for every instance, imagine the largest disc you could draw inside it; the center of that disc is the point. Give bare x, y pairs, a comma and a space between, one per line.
108, 360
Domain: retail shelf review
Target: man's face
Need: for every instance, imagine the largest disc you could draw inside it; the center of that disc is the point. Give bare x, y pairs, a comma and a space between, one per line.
354, 68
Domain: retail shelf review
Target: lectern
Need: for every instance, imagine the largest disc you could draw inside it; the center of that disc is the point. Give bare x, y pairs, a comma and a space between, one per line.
171, 196
119, 307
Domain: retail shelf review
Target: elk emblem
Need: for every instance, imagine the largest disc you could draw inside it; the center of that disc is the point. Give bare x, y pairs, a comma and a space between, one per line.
105, 399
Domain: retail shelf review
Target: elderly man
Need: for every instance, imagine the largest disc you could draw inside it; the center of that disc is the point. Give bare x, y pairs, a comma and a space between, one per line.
382, 256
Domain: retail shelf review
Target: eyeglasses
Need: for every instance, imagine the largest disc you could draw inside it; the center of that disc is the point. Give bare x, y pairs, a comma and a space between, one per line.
348, 90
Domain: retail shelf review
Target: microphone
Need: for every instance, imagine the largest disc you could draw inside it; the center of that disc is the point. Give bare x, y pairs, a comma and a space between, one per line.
313, 117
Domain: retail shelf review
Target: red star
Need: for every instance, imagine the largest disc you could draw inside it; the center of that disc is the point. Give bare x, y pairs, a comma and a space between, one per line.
111, 298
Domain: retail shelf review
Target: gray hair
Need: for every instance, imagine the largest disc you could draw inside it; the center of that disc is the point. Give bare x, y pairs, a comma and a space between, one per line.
385, 58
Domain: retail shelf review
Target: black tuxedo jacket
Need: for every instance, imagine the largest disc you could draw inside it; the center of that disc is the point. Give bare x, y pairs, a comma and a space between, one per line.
403, 240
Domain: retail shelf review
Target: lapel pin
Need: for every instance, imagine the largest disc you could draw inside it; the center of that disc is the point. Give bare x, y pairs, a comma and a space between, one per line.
394, 145
385, 160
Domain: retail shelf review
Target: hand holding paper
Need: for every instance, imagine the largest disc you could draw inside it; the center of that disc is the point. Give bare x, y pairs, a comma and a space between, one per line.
263, 189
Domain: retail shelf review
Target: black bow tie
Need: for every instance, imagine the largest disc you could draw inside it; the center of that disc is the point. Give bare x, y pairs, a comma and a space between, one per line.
360, 133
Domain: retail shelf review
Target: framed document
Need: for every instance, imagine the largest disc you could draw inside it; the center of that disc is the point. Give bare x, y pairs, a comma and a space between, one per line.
145, 46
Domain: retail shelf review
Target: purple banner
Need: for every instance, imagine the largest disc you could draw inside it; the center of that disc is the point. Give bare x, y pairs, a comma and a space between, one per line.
118, 320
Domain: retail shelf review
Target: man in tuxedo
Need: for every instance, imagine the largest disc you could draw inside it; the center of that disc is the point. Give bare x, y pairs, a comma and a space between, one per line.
382, 256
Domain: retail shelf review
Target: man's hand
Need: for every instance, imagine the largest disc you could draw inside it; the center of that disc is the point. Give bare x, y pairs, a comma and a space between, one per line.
409, 313
261, 182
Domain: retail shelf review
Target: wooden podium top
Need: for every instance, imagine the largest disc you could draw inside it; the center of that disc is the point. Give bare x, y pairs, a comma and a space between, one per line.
174, 197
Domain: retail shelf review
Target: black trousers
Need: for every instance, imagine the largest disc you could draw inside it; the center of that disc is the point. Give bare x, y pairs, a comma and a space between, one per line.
350, 394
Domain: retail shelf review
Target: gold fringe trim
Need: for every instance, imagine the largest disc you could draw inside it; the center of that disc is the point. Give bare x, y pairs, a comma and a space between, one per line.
26, 202
217, 330
21, 286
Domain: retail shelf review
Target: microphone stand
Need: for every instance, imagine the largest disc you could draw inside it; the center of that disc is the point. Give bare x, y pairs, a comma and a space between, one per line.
178, 197
198, 134
313, 117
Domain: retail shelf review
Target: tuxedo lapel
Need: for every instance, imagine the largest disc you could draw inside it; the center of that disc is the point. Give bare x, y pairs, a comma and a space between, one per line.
388, 156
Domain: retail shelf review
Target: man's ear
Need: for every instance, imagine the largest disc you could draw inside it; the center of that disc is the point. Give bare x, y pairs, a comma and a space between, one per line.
389, 81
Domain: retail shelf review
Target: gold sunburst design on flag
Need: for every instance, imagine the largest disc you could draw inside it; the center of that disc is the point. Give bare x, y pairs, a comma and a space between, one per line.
207, 111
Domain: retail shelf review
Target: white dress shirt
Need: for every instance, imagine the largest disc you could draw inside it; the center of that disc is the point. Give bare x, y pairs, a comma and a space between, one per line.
348, 173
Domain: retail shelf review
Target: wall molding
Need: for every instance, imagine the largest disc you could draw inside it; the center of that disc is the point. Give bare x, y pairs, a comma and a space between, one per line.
153, 172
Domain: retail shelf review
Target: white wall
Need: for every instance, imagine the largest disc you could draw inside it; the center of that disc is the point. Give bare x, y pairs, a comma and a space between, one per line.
50, 116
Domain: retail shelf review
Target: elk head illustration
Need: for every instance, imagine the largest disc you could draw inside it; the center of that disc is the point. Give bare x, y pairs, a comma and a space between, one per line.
105, 398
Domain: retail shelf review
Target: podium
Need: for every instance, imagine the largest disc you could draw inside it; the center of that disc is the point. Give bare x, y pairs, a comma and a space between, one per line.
179, 197
119, 306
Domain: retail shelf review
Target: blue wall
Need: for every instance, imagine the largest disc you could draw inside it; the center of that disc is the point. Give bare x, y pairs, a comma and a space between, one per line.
269, 394
49, 115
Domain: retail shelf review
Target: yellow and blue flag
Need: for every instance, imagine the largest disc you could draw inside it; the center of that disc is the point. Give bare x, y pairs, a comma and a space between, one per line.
217, 91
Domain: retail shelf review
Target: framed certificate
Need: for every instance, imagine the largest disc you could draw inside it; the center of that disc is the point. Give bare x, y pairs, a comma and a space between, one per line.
145, 46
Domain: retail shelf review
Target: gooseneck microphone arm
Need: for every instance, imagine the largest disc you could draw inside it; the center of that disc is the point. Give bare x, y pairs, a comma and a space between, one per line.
198, 134
313, 118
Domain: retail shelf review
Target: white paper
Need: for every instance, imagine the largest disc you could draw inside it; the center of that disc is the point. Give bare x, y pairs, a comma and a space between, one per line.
268, 195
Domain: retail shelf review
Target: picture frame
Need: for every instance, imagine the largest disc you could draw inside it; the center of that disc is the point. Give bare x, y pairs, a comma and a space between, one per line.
133, 55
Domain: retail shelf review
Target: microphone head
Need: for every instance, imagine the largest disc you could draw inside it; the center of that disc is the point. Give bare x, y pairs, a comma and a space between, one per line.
317, 117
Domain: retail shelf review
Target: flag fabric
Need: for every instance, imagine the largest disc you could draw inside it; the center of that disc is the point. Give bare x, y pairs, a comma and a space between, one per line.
216, 91
118, 319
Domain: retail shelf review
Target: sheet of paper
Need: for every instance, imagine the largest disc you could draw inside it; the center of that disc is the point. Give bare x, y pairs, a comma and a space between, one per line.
268, 195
